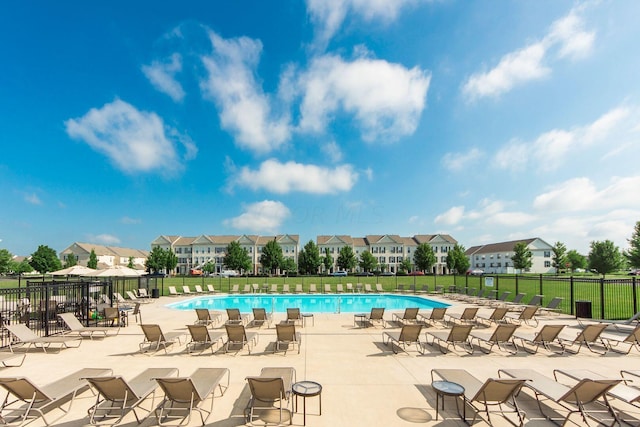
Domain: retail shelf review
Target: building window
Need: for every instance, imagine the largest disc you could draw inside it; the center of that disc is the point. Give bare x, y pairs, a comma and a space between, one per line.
547, 264
547, 254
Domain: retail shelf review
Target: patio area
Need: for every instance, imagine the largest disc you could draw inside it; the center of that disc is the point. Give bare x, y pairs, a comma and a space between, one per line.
364, 382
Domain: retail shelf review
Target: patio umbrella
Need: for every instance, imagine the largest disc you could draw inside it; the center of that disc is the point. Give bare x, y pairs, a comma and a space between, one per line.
76, 270
116, 271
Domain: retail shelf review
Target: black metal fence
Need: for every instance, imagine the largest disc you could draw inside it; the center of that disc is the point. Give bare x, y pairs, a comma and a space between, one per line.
39, 302
615, 298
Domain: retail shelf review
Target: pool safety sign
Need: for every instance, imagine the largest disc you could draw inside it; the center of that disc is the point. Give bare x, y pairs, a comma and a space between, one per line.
488, 282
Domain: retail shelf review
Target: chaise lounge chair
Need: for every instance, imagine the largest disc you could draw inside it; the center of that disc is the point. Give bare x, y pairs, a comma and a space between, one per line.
134, 298
24, 397
77, 328
467, 316
202, 336
502, 336
553, 307
436, 315
234, 317
493, 392
544, 337
237, 335
271, 390
286, 335
185, 394
294, 315
376, 315
632, 339
117, 396
496, 316
260, 317
590, 335
207, 317
410, 315
458, 334
154, 338
409, 334
572, 398
527, 316
24, 335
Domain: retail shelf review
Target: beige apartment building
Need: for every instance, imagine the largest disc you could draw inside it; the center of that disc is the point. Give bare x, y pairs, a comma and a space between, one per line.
108, 256
494, 258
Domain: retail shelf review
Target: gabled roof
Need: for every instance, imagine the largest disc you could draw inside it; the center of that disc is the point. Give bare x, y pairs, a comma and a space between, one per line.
102, 250
359, 241
384, 238
184, 241
334, 239
497, 247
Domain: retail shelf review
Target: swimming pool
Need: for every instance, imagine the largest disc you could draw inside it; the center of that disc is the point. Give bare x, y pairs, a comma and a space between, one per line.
322, 303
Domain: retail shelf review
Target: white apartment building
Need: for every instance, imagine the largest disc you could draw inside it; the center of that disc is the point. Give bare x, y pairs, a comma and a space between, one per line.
389, 249
195, 252
107, 256
495, 258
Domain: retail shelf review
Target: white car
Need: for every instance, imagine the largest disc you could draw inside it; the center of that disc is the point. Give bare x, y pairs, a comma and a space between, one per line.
476, 272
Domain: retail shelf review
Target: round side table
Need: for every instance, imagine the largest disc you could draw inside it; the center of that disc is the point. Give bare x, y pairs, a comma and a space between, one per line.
448, 388
307, 389
359, 317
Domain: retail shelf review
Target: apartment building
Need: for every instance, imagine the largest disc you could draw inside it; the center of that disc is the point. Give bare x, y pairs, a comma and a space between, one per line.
107, 256
389, 249
195, 252
495, 258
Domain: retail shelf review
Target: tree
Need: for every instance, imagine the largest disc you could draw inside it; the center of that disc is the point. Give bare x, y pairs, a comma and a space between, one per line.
130, 263
405, 265
93, 260
367, 261
271, 258
209, 267
576, 260
21, 267
327, 260
70, 261
346, 259
456, 260
156, 260
237, 258
6, 260
424, 258
309, 259
170, 260
45, 259
522, 257
604, 257
633, 254
289, 265
559, 258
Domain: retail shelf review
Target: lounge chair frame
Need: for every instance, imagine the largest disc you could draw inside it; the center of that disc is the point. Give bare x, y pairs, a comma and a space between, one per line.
467, 316
456, 335
27, 337
286, 335
261, 317
502, 336
544, 337
185, 394
409, 334
33, 401
207, 317
77, 328
590, 335
116, 396
494, 392
573, 398
436, 315
410, 315
203, 337
237, 335
154, 338
632, 340
271, 387
376, 315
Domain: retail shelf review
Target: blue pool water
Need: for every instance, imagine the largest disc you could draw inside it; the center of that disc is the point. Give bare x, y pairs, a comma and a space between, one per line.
324, 303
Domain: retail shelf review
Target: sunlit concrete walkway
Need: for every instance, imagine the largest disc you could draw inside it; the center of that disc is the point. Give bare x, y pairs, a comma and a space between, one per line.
364, 383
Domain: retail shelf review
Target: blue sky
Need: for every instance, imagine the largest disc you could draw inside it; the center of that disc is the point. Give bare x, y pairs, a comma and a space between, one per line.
489, 121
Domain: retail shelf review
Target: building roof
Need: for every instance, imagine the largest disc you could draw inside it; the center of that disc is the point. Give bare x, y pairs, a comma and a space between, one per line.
497, 247
102, 250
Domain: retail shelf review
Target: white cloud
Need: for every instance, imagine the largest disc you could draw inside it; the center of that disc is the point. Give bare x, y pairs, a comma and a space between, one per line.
328, 15
451, 217
266, 216
134, 140
162, 76
385, 99
456, 162
283, 178
105, 239
528, 63
32, 198
245, 110
581, 194
552, 149
333, 152
510, 219
128, 220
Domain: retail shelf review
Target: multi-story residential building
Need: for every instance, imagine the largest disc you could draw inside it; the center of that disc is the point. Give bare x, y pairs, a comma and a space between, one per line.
495, 258
195, 252
390, 249
108, 256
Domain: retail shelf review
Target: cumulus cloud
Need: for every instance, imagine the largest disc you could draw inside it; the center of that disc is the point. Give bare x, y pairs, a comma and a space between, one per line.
245, 110
328, 15
105, 239
581, 193
456, 162
134, 140
333, 152
283, 178
566, 37
451, 217
488, 212
385, 99
162, 76
552, 149
261, 217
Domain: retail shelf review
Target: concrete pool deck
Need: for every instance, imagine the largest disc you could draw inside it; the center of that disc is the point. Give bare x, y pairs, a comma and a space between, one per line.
364, 382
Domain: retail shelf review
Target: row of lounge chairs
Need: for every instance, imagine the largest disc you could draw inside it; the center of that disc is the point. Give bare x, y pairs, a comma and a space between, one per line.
585, 387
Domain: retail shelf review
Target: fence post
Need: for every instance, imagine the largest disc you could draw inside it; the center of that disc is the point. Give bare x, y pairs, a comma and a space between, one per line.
517, 287
47, 313
541, 292
633, 292
571, 295
602, 298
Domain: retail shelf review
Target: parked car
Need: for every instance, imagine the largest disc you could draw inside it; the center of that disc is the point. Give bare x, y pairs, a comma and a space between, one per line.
365, 273
339, 273
388, 273
635, 272
415, 273
475, 272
